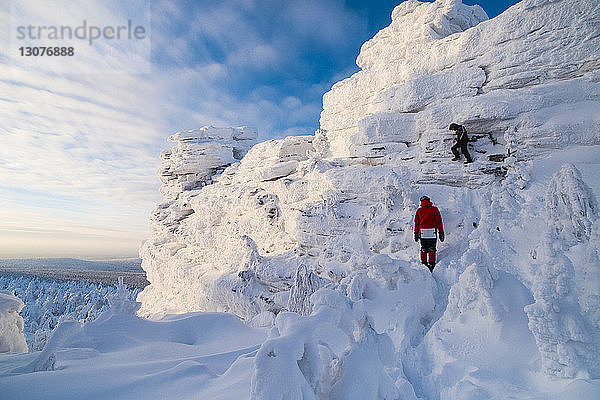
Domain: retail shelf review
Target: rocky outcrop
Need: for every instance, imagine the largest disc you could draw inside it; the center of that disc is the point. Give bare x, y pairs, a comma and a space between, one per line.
332, 200
523, 83
332, 212
199, 155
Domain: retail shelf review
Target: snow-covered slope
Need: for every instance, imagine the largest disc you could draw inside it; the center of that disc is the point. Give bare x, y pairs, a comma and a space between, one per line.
121, 356
310, 237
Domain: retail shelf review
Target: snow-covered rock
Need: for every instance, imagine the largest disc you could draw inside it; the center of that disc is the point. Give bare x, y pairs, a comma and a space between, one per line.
529, 76
571, 206
12, 338
313, 234
201, 154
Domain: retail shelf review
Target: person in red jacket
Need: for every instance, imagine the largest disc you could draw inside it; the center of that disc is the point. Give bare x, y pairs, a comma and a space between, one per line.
428, 227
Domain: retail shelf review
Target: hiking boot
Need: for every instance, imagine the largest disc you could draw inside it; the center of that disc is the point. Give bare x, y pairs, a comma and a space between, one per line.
468, 161
455, 158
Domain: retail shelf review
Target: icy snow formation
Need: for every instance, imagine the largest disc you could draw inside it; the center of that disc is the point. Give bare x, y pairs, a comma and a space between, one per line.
571, 206
568, 341
12, 338
201, 154
312, 234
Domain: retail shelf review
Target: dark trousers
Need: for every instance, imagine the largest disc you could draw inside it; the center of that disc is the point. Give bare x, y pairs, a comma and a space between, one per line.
463, 148
428, 251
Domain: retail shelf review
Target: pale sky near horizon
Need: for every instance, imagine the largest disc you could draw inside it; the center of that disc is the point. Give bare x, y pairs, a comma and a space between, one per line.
80, 136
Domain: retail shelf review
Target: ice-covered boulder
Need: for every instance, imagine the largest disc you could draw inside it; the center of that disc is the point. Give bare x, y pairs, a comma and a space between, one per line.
12, 338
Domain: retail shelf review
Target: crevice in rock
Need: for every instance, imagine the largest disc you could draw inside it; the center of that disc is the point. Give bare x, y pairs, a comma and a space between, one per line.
486, 71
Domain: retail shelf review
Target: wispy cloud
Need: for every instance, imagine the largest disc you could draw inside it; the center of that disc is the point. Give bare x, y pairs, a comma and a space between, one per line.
260, 52
79, 152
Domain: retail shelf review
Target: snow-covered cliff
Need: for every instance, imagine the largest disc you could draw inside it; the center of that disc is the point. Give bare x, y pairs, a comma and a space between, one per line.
320, 225
528, 77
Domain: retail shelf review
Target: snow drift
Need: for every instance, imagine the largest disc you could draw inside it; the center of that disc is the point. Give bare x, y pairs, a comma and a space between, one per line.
122, 356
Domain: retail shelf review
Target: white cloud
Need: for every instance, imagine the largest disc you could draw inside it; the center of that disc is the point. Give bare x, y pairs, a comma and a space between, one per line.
79, 152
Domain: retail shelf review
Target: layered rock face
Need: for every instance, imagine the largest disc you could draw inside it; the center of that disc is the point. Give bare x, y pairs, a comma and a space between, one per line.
199, 155
523, 83
301, 216
507, 80
235, 245
198, 158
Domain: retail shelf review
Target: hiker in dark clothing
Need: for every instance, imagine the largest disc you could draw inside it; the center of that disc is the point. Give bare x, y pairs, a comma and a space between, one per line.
462, 139
428, 227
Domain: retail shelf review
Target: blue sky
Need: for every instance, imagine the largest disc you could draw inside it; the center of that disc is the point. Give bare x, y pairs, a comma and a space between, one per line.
79, 151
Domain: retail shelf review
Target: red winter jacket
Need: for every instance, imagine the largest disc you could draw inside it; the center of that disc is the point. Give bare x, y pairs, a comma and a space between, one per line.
428, 216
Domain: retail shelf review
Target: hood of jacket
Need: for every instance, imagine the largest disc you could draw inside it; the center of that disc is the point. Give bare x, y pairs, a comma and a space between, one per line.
426, 203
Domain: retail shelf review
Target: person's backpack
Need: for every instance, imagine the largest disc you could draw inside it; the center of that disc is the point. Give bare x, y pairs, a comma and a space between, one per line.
462, 134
